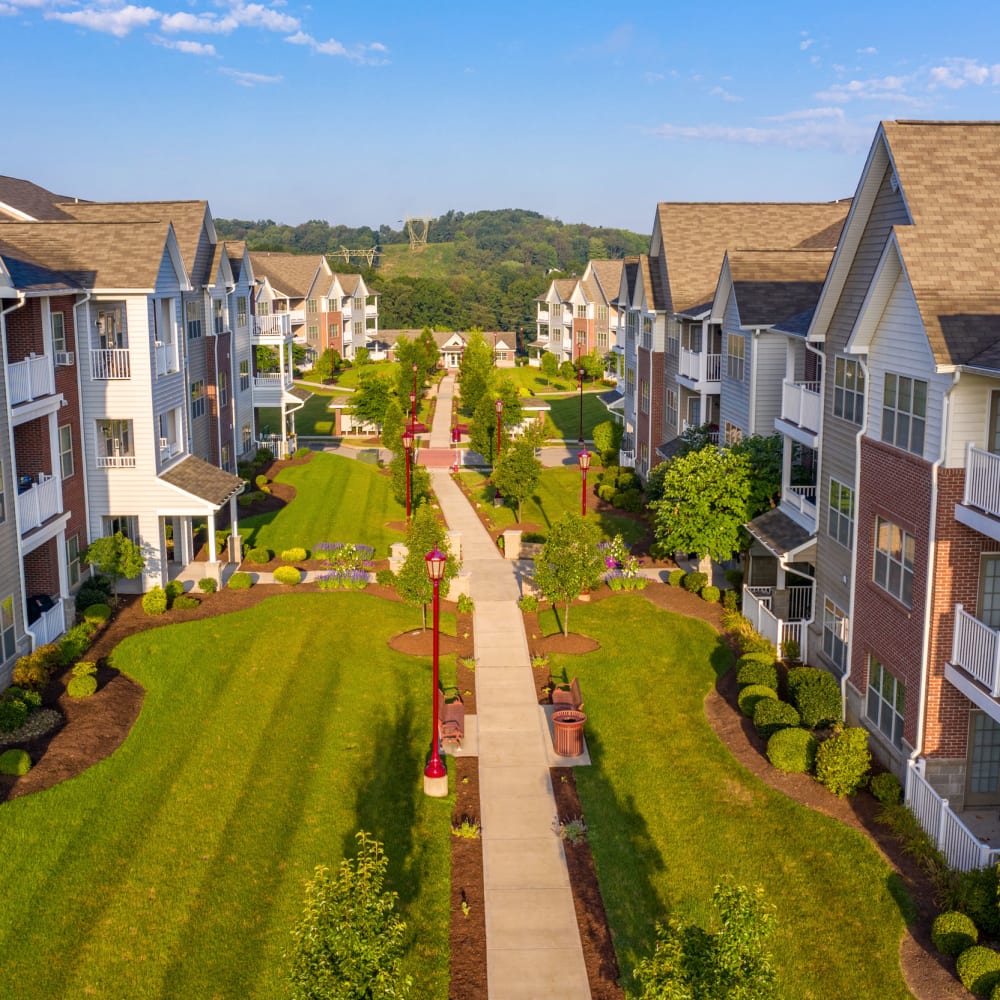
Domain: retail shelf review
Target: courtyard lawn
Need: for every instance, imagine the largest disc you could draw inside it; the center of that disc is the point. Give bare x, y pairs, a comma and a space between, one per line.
670, 812
348, 378
175, 868
534, 382
558, 491
314, 419
562, 422
337, 500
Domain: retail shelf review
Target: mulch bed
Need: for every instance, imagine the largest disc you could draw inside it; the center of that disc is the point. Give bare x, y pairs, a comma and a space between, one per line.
468, 899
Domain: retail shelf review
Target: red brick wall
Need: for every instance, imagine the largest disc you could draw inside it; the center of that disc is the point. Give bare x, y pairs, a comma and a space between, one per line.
330, 340
24, 331
41, 569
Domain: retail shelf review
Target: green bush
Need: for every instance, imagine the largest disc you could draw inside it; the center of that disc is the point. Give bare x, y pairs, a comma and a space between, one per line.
694, 581
711, 594
465, 604
675, 576
886, 788
240, 581
734, 578
96, 590
751, 641
730, 600
629, 501
98, 613
528, 603
33, 699
952, 932
81, 687
258, 556
76, 642
207, 585
386, 577
975, 893
816, 694
842, 761
750, 695
302, 452
754, 671
287, 575
173, 590
979, 969
261, 482
186, 603
33, 670
85, 668
13, 714
294, 555
15, 762
770, 715
607, 491
154, 602
792, 750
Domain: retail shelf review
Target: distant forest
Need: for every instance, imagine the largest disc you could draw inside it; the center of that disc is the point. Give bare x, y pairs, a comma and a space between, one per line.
497, 263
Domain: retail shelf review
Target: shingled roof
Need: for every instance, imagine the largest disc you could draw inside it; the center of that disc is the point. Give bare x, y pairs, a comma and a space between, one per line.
772, 285
22, 200
292, 274
206, 482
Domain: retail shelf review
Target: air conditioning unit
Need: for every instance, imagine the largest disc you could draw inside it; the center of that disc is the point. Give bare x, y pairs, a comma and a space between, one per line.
64, 357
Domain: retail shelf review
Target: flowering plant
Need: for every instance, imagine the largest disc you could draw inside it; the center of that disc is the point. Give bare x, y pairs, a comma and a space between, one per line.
346, 565
623, 567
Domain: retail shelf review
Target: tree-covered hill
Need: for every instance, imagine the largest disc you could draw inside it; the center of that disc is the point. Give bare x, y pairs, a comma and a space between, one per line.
478, 269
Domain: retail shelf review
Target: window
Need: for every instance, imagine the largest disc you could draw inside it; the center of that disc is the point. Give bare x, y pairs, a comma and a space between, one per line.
111, 329
312, 332
7, 627
241, 310
602, 341
543, 307
332, 305
647, 326
66, 451
127, 525
218, 315
581, 336
835, 634
556, 309
3, 499
223, 389
359, 329
73, 559
849, 390
581, 312
840, 522
602, 314
644, 395
115, 449
246, 436
263, 307
370, 322
369, 300
197, 399
736, 350
192, 317
58, 331
894, 551
226, 459
244, 375
671, 409
312, 306
359, 304
555, 335
673, 337
886, 701
335, 330
630, 382
904, 413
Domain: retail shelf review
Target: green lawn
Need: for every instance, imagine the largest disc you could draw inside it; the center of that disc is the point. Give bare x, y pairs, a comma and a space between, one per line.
563, 420
349, 377
535, 383
338, 500
558, 491
175, 868
670, 812
312, 420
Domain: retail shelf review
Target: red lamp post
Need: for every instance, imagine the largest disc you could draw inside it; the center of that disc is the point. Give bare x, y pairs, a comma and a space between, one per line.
499, 408
584, 459
579, 378
413, 400
408, 445
435, 768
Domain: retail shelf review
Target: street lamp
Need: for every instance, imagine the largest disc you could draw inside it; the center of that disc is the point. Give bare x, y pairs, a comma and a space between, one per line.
584, 459
435, 771
408, 445
413, 400
498, 406
579, 378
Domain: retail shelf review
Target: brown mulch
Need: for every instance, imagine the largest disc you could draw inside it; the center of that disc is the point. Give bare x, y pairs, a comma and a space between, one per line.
468, 902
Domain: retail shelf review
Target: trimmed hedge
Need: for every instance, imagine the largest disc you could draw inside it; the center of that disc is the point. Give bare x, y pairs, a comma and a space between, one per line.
82, 686
207, 585
886, 788
711, 594
751, 670
979, 969
750, 695
154, 602
15, 762
816, 694
186, 603
842, 761
287, 575
294, 555
675, 576
975, 893
694, 582
99, 613
13, 713
173, 589
792, 750
240, 581
258, 556
770, 715
952, 932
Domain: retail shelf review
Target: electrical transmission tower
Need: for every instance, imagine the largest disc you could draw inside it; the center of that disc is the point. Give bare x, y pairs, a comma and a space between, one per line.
417, 229
366, 255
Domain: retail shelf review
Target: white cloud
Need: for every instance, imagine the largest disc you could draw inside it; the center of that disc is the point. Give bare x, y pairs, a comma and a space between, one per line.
832, 133
255, 15
250, 79
869, 51
956, 73
370, 55
188, 48
880, 88
118, 21
809, 114
206, 24
803, 45
724, 94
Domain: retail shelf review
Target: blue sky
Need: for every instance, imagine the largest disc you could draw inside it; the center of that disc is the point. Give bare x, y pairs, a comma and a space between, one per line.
362, 114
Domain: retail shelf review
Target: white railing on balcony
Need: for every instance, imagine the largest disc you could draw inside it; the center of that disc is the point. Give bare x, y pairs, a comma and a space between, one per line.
30, 379
975, 647
800, 603
963, 849
757, 609
49, 625
277, 325
168, 449
297, 315
116, 461
982, 480
801, 499
167, 361
700, 366
801, 404
272, 380
40, 502
110, 363
280, 448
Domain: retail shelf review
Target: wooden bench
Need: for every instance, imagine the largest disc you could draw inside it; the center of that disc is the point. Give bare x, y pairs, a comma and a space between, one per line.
568, 697
451, 720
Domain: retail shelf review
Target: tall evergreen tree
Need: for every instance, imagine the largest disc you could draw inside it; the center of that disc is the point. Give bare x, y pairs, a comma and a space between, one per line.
475, 371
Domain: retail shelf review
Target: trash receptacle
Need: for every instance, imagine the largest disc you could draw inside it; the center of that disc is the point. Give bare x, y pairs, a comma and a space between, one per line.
568, 727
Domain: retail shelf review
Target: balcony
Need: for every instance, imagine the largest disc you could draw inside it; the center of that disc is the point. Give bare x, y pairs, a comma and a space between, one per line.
758, 607
801, 406
167, 361
31, 378
699, 367
110, 363
276, 327
270, 387
169, 449
49, 625
799, 502
975, 648
38, 502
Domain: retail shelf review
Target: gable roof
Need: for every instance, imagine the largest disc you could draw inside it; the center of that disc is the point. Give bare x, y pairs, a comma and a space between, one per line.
290, 273
773, 285
609, 276
23, 201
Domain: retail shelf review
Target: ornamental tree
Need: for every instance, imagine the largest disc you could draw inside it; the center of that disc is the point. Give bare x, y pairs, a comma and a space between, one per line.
372, 397
475, 371
570, 562
549, 366
517, 472
413, 584
115, 556
483, 429
764, 455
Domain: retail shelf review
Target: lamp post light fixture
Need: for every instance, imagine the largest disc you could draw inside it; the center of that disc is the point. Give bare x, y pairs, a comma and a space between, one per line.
408, 446
435, 774
579, 378
584, 459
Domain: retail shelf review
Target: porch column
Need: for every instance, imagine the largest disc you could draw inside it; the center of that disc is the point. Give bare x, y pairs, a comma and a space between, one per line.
185, 541
211, 538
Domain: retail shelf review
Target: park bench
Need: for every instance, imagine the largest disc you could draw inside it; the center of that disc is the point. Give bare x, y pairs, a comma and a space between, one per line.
451, 720
568, 696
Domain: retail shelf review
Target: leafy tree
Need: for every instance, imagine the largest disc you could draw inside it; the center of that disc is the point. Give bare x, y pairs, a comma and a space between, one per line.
592, 365
372, 397
326, 365
266, 359
393, 425
483, 429
568, 371
350, 942
420, 480
409, 353
608, 440
654, 482
549, 365
475, 371
517, 472
431, 352
412, 582
570, 561
704, 504
362, 356
115, 556
696, 438
764, 455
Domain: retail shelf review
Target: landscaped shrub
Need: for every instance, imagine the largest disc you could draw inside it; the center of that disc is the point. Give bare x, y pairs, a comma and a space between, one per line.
754, 671
33, 670
886, 788
710, 594
207, 585
81, 687
979, 969
734, 578
75, 642
293, 555
85, 668
528, 603
770, 715
302, 452
750, 695
186, 603
386, 577
258, 556
240, 581
98, 613
952, 932
13, 713
629, 501
675, 576
730, 600
606, 491
96, 590
15, 762
154, 602
792, 750
173, 589
842, 761
261, 483
694, 581
287, 575
975, 893
816, 695
33, 699
751, 641
465, 604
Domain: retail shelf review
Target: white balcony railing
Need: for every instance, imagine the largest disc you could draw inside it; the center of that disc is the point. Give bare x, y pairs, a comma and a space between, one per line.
975, 647
700, 366
30, 379
116, 461
757, 602
272, 380
168, 449
49, 625
982, 480
801, 404
167, 361
110, 363
40, 502
278, 325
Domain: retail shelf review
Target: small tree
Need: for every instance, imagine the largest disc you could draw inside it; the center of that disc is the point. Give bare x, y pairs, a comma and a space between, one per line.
483, 429
517, 472
115, 556
608, 440
570, 562
350, 942
420, 480
362, 356
549, 366
430, 350
393, 424
372, 398
412, 582
592, 365
325, 366
764, 455
475, 370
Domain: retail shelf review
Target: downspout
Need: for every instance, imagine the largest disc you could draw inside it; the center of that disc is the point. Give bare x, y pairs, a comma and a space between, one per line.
77, 343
